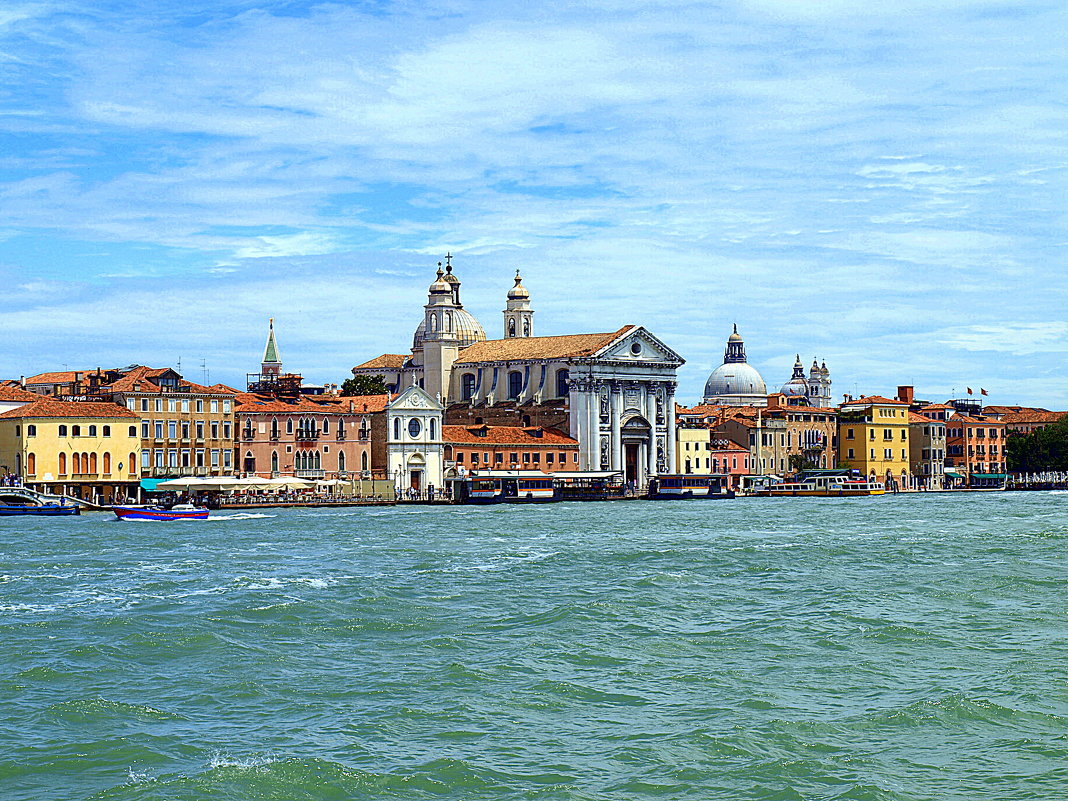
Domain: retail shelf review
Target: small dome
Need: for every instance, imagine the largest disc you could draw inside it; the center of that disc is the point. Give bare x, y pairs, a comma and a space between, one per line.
795, 388
735, 337
439, 287
518, 292
735, 378
468, 330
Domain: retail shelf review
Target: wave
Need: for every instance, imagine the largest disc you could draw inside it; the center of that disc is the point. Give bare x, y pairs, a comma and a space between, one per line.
241, 516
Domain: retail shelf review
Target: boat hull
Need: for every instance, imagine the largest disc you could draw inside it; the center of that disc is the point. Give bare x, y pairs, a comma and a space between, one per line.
136, 513
45, 510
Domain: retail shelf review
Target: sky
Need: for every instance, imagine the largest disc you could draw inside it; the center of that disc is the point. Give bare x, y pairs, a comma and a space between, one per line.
880, 186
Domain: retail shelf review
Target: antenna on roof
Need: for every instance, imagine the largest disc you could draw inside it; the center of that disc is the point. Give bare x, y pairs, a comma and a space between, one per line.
204, 371
179, 369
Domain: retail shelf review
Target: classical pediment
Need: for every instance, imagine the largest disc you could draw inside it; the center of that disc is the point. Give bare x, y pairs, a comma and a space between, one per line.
636, 344
415, 398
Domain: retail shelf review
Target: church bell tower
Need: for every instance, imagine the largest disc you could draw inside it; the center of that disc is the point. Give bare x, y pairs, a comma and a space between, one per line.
518, 316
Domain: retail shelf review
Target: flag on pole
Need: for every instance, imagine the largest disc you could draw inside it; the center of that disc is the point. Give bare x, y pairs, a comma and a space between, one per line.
983, 391
970, 391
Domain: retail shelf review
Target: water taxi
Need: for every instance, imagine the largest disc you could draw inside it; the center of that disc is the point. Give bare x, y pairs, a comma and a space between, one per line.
825, 485
505, 486
673, 487
39, 510
181, 511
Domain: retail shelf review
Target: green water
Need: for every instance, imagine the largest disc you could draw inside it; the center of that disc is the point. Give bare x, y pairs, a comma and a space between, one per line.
874, 648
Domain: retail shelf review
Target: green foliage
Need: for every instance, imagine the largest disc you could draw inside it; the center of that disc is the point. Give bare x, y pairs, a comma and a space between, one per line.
364, 385
799, 462
1045, 449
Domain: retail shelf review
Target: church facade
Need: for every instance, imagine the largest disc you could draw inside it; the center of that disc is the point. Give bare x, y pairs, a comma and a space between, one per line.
614, 391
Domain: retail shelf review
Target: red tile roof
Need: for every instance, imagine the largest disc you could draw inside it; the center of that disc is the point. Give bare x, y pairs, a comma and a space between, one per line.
387, 361
521, 348
250, 403
50, 407
62, 377
10, 391
505, 435
875, 400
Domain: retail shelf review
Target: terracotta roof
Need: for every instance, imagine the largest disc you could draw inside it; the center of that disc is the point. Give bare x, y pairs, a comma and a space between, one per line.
13, 392
986, 421
919, 418
934, 406
1032, 416
147, 376
387, 361
570, 346
50, 407
63, 377
505, 435
251, 403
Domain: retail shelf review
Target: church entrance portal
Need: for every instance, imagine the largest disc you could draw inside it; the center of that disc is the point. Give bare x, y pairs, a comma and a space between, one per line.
630, 463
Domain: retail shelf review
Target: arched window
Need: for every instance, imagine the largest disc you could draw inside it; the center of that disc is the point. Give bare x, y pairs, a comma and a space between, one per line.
318, 461
433, 429
107, 462
76, 463
133, 431
396, 428
326, 425
131, 465
526, 327
562, 377
31, 464
250, 462
467, 386
31, 431
107, 431
341, 461
75, 431
63, 464
515, 384
289, 425
92, 463
274, 461
448, 321
274, 427
511, 326
448, 453
92, 431
363, 461
298, 460
62, 432
434, 322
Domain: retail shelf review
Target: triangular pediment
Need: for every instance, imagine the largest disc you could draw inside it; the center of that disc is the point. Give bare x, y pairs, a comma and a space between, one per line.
636, 344
416, 398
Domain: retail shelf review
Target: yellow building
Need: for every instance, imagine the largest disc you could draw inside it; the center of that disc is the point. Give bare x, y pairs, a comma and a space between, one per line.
873, 437
82, 449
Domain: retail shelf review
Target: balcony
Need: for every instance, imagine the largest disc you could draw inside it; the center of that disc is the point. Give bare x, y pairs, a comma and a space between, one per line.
313, 474
307, 434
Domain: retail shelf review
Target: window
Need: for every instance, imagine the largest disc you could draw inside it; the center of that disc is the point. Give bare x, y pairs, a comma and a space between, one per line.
214, 430
63, 464
31, 431
433, 429
414, 427
75, 431
106, 431
172, 405
31, 464
144, 404
498, 458
172, 429
200, 408
185, 404
159, 404
363, 461
226, 407
467, 386
536, 458
526, 458
215, 458
515, 384
341, 461
200, 431
396, 428
159, 429
131, 404
214, 407
289, 426
145, 460
888, 454
274, 461
562, 377
474, 458
62, 433
563, 458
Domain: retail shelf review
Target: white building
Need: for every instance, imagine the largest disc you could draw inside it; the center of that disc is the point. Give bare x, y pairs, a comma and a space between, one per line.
414, 453
616, 389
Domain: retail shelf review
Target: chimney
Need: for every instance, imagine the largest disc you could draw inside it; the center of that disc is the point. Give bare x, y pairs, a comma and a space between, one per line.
905, 394
352, 406
774, 401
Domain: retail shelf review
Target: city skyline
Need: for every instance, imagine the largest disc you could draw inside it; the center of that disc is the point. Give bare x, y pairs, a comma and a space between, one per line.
881, 190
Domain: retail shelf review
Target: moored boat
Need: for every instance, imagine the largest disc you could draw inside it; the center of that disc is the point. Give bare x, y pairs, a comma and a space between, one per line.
685, 486
39, 510
825, 485
182, 511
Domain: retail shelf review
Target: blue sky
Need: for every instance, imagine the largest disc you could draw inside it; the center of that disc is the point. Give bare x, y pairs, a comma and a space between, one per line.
880, 187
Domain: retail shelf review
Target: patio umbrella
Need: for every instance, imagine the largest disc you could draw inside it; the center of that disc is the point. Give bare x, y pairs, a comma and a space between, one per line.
186, 482
285, 482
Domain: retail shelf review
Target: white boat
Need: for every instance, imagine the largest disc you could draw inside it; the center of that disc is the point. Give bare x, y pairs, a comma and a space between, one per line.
824, 486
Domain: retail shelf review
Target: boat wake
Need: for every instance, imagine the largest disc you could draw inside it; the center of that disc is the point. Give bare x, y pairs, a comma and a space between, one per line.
241, 516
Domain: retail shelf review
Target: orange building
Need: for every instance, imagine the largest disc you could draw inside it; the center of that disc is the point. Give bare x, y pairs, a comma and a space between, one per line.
975, 450
485, 447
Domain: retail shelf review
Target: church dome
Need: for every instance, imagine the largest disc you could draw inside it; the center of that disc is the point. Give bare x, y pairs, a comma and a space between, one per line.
468, 329
732, 379
797, 386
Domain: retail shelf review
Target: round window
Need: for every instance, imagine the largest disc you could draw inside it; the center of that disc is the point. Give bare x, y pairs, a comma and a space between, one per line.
636, 348
414, 427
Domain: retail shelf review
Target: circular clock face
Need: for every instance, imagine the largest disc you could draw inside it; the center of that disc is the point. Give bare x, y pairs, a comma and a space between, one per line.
414, 427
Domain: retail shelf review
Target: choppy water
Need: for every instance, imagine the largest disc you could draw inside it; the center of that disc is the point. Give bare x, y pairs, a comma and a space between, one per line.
884, 648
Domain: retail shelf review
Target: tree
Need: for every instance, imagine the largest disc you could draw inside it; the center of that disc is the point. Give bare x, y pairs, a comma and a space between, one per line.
364, 385
1041, 450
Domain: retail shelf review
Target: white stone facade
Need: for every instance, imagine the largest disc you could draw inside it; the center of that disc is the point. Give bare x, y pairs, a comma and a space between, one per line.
414, 452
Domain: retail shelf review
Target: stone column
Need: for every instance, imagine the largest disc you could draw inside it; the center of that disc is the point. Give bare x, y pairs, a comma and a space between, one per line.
614, 411
650, 415
669, 416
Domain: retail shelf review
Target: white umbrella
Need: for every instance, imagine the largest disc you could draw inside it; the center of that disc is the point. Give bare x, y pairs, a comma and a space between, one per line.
289, 483
186, 482
331, 482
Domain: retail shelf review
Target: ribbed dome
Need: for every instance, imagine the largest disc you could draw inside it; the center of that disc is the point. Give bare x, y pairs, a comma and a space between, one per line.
736, 378
795, 387
439, 287
467, 329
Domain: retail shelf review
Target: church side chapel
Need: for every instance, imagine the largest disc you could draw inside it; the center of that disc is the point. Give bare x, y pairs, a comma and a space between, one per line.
613, 392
